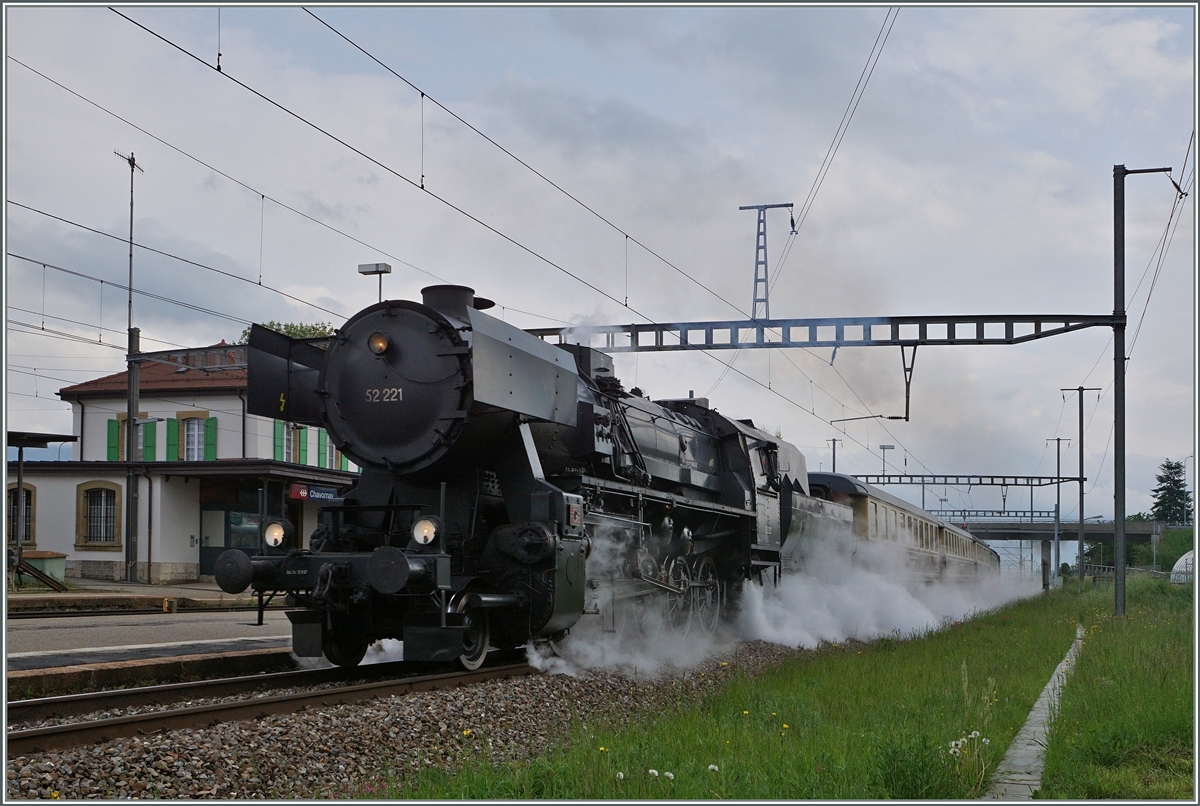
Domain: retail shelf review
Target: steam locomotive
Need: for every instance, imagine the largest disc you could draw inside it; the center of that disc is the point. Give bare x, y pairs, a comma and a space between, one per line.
509, 487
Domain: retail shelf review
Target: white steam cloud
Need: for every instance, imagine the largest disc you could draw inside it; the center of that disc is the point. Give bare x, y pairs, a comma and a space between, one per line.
837, 588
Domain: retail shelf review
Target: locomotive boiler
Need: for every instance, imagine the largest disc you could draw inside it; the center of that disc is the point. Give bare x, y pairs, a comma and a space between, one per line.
509, 487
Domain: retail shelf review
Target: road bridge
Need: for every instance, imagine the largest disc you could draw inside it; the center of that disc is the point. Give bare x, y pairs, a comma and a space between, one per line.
994, 530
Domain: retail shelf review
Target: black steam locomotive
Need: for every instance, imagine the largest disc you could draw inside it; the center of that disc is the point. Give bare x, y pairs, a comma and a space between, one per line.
509, 487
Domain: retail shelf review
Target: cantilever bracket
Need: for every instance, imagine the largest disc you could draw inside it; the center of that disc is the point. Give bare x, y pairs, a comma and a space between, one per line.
908, 361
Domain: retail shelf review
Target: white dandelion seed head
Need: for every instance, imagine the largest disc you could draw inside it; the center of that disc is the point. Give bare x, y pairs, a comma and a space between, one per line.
955, 752
713, 767
670, 776
974, 734
653, 772
620, 776
984, 741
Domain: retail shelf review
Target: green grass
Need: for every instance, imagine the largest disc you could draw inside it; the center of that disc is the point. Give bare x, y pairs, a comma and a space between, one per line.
1125, 723
868, 721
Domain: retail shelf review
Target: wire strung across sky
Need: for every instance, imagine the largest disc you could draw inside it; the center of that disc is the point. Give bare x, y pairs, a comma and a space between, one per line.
855, 98
264, 197
456, 208
236, 181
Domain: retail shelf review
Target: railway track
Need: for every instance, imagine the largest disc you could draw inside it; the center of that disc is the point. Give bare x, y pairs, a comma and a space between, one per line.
73, 734
138, 611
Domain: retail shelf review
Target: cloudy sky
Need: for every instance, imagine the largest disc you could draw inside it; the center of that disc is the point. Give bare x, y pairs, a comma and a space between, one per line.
974, 176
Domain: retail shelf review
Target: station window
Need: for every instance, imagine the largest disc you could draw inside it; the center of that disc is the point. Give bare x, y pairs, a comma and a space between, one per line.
28, 539
98, 516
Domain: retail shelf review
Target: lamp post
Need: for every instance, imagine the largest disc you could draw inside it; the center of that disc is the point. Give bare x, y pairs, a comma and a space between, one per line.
376, 268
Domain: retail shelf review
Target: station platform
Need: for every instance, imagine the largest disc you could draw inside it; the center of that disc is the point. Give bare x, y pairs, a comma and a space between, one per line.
107, 594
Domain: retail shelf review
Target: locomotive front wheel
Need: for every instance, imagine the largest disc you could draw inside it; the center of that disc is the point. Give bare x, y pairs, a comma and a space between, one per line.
679, 606
560, 644
345, 649
476, 636
707, 595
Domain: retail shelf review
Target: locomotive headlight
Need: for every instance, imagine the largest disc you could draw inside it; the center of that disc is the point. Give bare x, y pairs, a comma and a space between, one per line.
277, 532
378, 343
425, 530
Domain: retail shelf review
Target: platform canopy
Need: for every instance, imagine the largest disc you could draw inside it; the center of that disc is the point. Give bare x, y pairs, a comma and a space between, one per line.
34, 439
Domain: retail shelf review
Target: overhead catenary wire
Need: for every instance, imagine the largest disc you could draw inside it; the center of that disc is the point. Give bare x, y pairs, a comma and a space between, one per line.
523, 163
847, 116
843, 126
504, 236
151, 295
276, 201
233, 179
188, 261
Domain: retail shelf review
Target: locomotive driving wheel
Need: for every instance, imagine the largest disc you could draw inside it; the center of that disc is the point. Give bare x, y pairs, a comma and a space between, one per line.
476, 636
707, 596
344, 648
679, 605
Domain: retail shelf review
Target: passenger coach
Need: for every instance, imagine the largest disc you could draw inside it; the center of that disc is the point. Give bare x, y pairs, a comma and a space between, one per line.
933, 548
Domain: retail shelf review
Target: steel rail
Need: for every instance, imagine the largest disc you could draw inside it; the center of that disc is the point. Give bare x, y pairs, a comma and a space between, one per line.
74, 734
132, 611
164, 693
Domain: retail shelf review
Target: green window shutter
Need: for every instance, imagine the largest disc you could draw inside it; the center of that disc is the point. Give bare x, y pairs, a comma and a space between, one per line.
150, 442
114, 440
322, 447
345, 462
302, 435
210, 439
172, 440
279, 440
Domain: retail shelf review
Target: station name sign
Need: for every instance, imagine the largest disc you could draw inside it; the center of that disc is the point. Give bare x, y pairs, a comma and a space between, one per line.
306, 492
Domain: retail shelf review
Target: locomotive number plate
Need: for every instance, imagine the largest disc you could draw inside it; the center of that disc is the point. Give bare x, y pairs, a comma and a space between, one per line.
387, 395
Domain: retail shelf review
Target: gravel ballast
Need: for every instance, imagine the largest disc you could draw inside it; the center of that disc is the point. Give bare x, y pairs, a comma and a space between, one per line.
350, 750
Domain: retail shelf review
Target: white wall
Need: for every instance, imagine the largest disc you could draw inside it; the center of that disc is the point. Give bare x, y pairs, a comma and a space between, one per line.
177, 520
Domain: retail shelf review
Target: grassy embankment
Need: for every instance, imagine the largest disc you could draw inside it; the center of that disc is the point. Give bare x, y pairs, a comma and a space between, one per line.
1125, 723
873, 721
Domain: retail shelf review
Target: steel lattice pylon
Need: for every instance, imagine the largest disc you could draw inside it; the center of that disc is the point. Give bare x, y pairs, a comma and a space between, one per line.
761, 308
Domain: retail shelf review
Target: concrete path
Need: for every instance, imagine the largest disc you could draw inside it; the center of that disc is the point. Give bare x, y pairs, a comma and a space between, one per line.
1020, 772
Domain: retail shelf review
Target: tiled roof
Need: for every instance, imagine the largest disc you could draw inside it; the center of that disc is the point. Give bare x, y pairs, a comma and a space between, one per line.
218, 368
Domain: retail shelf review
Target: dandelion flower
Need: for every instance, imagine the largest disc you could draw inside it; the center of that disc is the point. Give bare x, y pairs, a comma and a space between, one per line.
774, 714
653, 772
620, 776
467, 732
745, 712
713, 768
785, 726
670, 776
603, 749
723, 663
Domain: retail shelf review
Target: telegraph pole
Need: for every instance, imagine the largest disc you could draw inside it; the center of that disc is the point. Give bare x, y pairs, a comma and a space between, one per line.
1119, 358
835, 441
1080, 390
131, 417
1057, 499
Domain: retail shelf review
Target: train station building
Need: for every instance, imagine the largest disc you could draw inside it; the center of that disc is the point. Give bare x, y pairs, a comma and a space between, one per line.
207, 472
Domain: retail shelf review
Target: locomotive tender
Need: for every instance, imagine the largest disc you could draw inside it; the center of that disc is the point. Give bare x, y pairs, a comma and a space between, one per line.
509, 486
